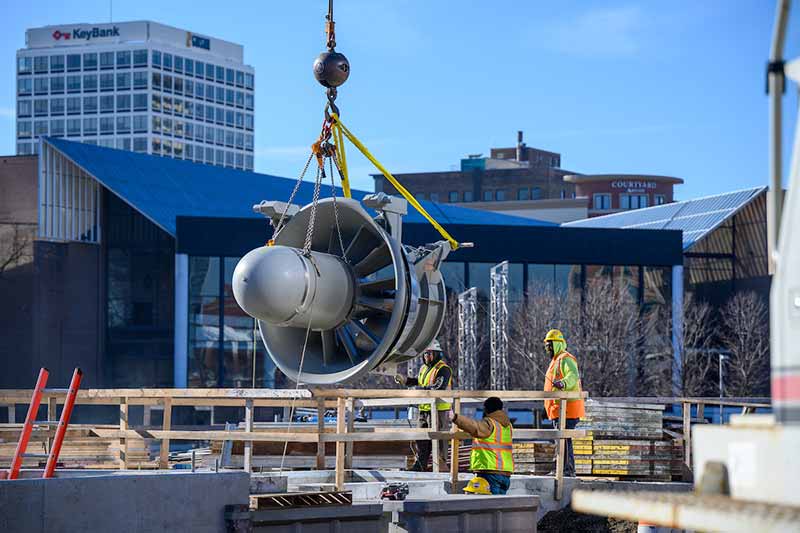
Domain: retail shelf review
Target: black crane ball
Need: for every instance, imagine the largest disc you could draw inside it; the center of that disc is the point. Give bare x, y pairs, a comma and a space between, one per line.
331, 69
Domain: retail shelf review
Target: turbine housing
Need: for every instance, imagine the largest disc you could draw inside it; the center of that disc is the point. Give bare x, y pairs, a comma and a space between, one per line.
349, 307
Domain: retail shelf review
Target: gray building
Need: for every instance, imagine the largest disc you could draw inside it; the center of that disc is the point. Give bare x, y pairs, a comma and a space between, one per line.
138, 86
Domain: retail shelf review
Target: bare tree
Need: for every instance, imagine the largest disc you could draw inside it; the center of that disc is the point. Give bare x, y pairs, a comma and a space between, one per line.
15, 246
745, 334
696, 355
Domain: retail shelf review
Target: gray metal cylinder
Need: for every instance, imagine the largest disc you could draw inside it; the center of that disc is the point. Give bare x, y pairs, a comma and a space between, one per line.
279, 285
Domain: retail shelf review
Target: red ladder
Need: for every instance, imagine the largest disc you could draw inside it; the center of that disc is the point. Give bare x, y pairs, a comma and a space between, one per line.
66, 413
25, 436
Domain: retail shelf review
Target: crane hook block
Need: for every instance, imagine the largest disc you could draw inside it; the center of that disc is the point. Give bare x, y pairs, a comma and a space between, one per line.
331, 69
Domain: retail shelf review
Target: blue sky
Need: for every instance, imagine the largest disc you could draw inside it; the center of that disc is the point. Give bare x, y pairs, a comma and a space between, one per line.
673, 88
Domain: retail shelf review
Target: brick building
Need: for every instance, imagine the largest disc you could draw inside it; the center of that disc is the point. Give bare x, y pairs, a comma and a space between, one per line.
611, 193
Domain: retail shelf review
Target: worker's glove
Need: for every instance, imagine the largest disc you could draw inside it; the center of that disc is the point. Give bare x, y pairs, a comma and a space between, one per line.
451, 415
559, 384
400, 379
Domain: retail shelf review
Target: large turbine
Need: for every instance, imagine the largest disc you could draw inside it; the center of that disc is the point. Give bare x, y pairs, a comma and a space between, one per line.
376, 302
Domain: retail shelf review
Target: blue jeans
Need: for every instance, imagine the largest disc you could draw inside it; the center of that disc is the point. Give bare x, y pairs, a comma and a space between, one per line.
498, 483
569, 457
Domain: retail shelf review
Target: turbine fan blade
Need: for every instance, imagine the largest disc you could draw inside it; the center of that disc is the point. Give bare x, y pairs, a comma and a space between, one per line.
366, 332
378, 285
328, 346
374, 261
349, 344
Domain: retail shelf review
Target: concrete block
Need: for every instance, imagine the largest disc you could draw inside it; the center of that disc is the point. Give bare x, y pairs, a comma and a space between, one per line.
268, 483
356, 518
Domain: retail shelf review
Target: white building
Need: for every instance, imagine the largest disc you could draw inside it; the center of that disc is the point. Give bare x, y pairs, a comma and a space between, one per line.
138, 86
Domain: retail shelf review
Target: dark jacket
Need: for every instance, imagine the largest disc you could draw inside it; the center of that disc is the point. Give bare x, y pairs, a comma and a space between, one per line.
483, 428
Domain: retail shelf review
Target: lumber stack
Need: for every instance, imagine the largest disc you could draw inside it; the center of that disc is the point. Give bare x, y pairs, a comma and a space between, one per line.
536, 457
82, 448
623, 420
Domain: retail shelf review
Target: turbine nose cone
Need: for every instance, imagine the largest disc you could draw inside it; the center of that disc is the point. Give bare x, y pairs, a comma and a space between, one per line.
270, 284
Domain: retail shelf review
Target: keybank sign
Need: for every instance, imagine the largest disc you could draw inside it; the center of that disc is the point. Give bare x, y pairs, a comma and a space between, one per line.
79, 34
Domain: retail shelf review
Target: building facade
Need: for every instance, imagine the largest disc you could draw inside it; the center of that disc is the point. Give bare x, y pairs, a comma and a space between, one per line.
612, 193
139, 86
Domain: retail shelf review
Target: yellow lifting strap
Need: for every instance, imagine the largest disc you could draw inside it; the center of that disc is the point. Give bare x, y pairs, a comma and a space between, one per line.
342, 129
337, 138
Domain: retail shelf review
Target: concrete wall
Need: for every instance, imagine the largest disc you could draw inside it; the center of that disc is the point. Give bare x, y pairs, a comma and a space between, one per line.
122, 503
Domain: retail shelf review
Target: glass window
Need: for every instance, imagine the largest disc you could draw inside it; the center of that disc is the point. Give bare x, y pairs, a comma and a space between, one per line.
229, 118
220, 115
106, 125
89, 83
204, 321
41, 107
57, 106
90, 61
209, 92
229, 76
107, 81
167, 83
240, 140
90, 104
57, 85
166, 125
166, 147
452, 196
73, 62
24, 65
177, 107
219, 136
124, 143
199, 90
140, 58
73, 127
156, 80
41, 85
248, 162
536, 193
123, 103
124, 59
601, 201
24, 108
156, 124
568, 280
249, 81
124, 81
523, 194
209, 71
453, 275
57, 127
106, 60
179, 64
239, 78
199, 68
57, 63
541, 278
220, 74
140, 144
229, 93
140, 102
24, 129
500, 195
90, 126
220, 95
239, 119
107, 103
228, 159
488, 196
123, 124
239, 99
209, 113
41, 64
210, 135
24, 86
140, 123
189, 66
434, 197
166, 104
632, 201
248, 121
74, 105
239, 160
219, 157
229, 139
189, 131
178, 86
188, 87
660, 199
156, 58
156, 103
140, 80
40, 127
248, 101
74, 84
24, 149
167, 64
248, 142
178, 131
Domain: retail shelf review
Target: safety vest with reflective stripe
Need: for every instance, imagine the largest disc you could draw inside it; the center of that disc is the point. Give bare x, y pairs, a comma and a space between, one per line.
495, 452
575, 408
426, 377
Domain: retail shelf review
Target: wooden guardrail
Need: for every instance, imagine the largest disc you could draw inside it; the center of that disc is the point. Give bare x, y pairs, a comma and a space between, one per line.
345, 401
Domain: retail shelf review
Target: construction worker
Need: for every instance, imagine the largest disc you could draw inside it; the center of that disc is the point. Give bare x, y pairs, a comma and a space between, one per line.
491, 458
433, 375
562, 375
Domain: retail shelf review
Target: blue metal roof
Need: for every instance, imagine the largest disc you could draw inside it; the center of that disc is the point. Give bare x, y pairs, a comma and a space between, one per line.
696, 218
162, 189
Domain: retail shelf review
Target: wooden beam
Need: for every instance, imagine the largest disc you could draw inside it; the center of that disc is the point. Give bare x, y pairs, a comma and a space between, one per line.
146, 416
426, 434
12, 413
562, 425
348, 453
420, 393
320, 431
220, 436
701, 411
123, 427
340, 432
687, 436
166, 425
248, 427
454, 450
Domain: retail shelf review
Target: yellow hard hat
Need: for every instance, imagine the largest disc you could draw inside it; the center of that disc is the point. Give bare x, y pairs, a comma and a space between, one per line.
477, 485
554, 335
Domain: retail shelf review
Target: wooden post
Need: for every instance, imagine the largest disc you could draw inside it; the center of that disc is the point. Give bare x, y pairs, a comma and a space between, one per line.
687, 435
701, 412
340, 449
348, 456
146, 418
123, 426
52, 409
320, 431
248, 427
12, 413
454, 451
166, 425
435, 442
562, 425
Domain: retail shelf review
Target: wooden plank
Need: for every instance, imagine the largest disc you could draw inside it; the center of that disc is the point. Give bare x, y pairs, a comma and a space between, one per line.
427, 434
218, 436
431, 394
435, 442
687, 435
562, 424
248, 427
348, 447
701, 411
340, 430
12, 413
123, 427
454, 450
166, 425
320, 431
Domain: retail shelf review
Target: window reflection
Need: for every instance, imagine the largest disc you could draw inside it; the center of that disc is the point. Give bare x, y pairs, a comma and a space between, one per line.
204, 322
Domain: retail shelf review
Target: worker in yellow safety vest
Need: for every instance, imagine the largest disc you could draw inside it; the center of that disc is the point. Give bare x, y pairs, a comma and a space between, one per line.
491, 458
563, 375
434, 374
